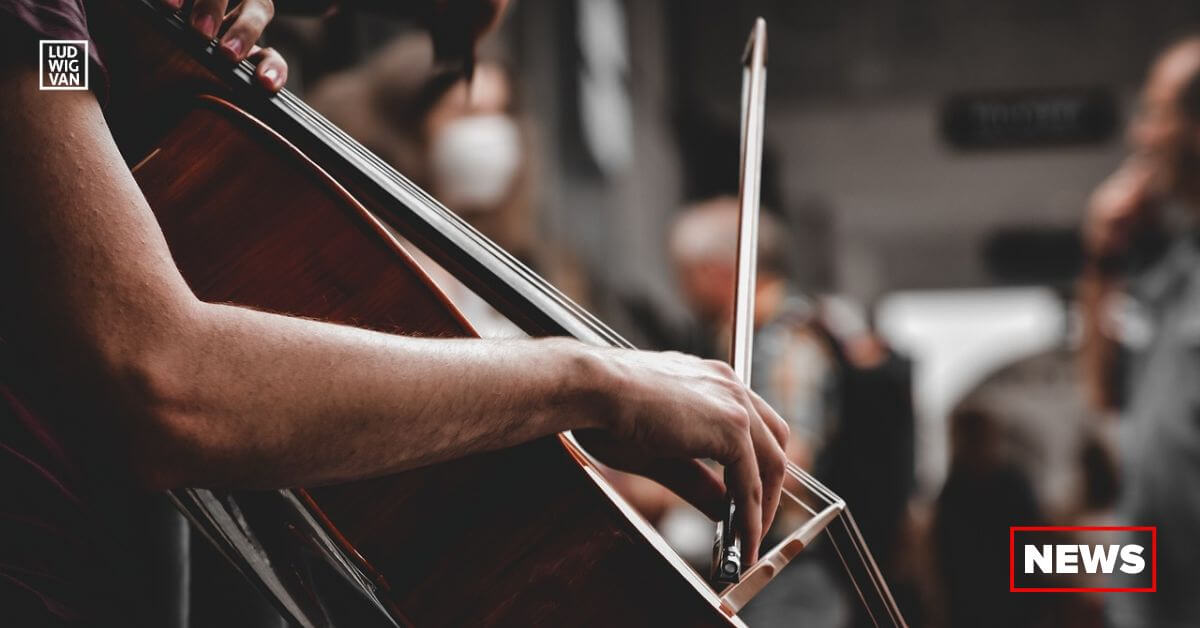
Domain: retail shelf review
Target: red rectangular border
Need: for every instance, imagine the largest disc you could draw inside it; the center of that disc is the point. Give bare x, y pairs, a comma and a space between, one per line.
1012, 537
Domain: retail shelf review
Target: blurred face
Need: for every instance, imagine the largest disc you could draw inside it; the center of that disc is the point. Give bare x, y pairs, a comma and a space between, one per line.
475, 150
488, 92
1162, 133
703, 249
708, 288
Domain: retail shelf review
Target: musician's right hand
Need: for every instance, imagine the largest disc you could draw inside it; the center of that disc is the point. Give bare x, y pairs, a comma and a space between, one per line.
667, 410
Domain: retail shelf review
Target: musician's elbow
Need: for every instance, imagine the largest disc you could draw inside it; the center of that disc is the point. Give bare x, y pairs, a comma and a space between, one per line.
173, 442
165, 446
168, 433
172, 452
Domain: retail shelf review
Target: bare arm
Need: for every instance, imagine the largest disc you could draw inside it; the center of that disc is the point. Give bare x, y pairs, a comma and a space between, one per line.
215, 395
312, 402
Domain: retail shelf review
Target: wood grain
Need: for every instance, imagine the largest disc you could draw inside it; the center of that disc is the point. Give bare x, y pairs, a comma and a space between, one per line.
518, 537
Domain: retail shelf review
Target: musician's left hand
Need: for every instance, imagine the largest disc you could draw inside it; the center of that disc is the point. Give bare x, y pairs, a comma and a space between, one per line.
240, 30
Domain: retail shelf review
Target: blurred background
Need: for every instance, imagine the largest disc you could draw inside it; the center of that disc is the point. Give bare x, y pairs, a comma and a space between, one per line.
929, 164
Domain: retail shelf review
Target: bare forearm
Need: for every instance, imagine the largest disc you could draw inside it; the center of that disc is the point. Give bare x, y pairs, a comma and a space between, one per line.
256, 399
208, 394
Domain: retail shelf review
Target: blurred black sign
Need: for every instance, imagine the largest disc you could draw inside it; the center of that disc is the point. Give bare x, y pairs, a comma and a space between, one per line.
1053, 117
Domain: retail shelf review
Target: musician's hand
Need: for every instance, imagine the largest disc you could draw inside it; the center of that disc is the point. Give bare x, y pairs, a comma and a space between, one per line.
1118, 208
240, 30
668, 410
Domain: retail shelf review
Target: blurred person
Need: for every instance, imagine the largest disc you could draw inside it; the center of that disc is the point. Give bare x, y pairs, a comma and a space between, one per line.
790, 360
116, 378
464, 142
868, 458
1023, 451
791, 366
846, 394
1141, 305
789, 363
984, 494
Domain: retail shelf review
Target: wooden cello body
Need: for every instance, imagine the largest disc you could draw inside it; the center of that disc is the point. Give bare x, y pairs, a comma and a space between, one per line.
264, 205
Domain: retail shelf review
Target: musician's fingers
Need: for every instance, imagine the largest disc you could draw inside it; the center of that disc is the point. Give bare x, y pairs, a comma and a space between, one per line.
271, 70
174, 4
769, 434
207, 16
746, 485
692, 480
775, 423
246, 24
772, 462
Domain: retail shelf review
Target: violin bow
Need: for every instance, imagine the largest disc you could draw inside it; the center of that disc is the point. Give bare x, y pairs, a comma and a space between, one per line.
727, 549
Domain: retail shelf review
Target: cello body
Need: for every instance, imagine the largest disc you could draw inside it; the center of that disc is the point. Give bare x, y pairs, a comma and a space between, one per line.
264, 207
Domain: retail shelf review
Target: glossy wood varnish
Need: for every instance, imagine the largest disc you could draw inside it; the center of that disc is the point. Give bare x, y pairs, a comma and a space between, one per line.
525, 536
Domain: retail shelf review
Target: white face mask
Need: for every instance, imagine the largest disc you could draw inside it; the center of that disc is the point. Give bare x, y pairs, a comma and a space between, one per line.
474, 161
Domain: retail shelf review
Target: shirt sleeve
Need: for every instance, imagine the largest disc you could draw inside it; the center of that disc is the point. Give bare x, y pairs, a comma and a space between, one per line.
23, 23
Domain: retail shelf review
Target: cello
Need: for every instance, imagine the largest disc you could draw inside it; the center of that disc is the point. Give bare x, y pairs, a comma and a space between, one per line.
306, 224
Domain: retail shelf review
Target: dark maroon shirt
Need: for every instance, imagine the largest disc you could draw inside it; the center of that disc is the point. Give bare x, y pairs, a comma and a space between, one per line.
63, 559
24, 22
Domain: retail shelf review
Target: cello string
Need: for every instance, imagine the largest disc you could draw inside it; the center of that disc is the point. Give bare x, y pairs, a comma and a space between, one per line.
364, 155
338, 140
882, 593
343, 143
379, 172
353, 151
422, 205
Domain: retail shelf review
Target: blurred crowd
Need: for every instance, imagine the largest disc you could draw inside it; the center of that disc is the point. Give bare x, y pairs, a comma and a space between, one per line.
1102, 428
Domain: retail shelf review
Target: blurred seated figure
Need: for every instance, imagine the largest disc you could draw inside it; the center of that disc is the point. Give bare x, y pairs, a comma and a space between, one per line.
1141, 290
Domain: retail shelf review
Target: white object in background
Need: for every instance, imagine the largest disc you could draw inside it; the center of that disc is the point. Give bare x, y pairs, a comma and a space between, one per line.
956, 338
